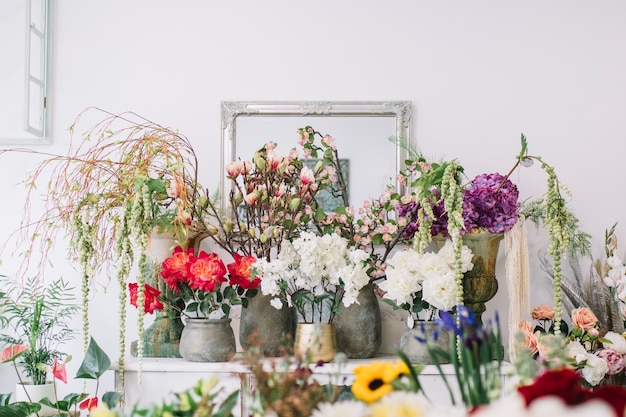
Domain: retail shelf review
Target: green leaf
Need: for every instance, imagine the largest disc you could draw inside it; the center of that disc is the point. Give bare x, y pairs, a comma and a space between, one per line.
95, 363
17, 410
226, 309
112, 399
227, 406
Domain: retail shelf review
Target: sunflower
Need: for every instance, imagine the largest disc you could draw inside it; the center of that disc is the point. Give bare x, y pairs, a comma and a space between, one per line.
373, 381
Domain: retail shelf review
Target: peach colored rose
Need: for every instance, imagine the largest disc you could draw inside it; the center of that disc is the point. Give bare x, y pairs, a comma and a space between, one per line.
531, 340
583, 318
542, 312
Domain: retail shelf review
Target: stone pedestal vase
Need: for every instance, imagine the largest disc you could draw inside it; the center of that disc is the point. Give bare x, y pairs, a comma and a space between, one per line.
480, 284
207, 340
315, 342
272, 330
358, 327
28, 392
415, 342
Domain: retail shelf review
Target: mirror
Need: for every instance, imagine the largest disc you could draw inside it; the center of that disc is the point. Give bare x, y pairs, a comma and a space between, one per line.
362, 130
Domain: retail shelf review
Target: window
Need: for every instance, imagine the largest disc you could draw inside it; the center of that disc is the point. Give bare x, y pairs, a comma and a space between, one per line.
24, 73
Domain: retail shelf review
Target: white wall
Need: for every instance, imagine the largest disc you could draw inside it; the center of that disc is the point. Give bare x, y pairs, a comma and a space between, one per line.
478, 73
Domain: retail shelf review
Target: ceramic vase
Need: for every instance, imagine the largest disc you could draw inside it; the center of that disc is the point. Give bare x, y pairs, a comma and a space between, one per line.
207, 340
315, 342
358, 327
416, 341
262, 325
28, 392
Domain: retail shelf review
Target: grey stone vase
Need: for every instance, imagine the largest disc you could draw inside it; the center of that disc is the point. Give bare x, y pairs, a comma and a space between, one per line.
207, 340
414, 342
271, 329
359, 327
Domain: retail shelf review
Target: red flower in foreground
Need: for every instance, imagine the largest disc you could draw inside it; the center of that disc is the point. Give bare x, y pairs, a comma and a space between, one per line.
89, 404
59, 372
563, 383
12, 352
241, 272
566, 384
176, 267
206, 272
151, 300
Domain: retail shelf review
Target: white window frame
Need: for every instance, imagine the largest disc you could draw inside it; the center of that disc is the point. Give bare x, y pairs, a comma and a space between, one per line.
36, 111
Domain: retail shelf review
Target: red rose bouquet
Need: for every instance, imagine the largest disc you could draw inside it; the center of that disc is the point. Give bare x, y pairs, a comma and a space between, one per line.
201, 285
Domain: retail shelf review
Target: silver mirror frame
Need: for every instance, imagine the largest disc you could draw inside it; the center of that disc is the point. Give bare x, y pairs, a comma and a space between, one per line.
231, 110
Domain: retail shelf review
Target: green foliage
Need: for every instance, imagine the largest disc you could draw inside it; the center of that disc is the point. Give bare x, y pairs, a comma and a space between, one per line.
95, 363
39, 316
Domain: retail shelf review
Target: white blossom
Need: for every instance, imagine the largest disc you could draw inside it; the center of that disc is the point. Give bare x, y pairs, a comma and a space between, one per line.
440, 291
594, 370
447, 253
618, 343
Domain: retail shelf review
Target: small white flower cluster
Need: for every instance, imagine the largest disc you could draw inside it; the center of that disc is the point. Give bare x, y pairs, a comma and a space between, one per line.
408, 272
616, 280
317, 264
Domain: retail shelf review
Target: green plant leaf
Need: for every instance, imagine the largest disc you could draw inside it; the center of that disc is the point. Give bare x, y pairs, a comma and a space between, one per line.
111, 399
95, 363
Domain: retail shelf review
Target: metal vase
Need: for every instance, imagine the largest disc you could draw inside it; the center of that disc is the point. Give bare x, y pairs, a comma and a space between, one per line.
207, 340
315, 342
359, 327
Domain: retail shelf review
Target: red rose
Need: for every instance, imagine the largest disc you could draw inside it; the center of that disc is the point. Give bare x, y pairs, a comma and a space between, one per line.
614, 395
151, 300
175, 268
206, 273
241, 272
563, 383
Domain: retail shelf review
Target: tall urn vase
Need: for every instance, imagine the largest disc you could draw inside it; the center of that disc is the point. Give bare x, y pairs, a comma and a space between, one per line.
359, 327
480, 284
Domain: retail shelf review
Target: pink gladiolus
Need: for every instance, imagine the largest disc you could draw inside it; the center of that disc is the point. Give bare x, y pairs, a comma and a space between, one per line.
10, 353
59, 372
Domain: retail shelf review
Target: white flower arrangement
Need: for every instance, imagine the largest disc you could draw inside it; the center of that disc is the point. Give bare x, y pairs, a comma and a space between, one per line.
424, 281
312, 272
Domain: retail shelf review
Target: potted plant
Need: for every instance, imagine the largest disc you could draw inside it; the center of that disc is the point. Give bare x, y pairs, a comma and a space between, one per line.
201, 290
272, 199
38, 317
316, 274
134, 175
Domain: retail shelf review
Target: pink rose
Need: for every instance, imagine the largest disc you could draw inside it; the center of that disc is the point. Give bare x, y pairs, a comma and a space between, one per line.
542, 312
583, 318
613, 359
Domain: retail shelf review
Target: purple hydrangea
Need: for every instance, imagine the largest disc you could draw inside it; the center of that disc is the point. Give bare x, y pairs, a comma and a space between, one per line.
482, 207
